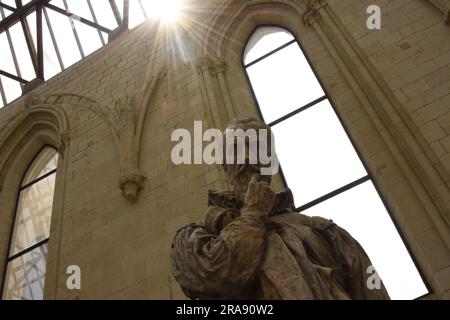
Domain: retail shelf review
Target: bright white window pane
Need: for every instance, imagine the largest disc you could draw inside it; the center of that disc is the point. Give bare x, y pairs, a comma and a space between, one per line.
64, 37
136, 14
90, 41
361, 212
265, 40
22, 53
25, 276
104, 13
283, 82
119, 4
6, 59
78, 7
31, 19
11, 88
11, 3
89, 38
51, 63
315, 153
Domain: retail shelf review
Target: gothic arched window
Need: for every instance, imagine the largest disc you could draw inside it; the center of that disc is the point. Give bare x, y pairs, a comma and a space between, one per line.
318, 159
24, 276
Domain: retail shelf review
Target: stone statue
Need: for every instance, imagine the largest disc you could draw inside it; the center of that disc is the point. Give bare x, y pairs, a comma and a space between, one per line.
253, 245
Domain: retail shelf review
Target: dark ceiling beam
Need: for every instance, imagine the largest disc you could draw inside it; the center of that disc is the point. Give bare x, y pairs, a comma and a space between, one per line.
13, 77
39, 43
116, 12
126, 13
7, 7
19, 14
80, 19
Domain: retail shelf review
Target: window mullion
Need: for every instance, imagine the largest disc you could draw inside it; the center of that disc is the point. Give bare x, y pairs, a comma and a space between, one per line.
270, 53
25, 251
295, 112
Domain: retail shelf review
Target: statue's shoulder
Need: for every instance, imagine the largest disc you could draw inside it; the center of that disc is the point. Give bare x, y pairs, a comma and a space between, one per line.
322, 223
299, 218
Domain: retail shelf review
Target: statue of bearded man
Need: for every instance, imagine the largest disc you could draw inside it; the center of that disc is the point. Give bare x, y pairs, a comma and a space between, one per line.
253, 245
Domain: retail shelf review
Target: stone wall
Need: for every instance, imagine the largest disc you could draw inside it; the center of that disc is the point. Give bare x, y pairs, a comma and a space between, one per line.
112, 115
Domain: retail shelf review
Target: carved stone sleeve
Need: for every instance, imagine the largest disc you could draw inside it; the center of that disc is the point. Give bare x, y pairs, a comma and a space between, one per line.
218, 265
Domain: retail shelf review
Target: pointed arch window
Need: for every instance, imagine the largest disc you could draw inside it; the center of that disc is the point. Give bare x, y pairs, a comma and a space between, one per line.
24, 276
319, 162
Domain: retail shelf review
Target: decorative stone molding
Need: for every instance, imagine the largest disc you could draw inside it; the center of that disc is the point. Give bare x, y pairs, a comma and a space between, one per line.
212, 69
205, 67
130, 184
313, 14
64, 143
51, 121
120, 118
131, 180
317, 4
443, 6
447, 14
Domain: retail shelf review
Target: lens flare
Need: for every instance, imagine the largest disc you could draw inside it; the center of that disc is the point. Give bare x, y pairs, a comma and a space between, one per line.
168, 11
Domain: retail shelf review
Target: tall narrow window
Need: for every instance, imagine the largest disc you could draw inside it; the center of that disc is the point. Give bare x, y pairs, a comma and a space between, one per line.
318, 160
24, 277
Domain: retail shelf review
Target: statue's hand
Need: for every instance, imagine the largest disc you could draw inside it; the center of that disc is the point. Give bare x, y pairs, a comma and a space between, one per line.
259, 198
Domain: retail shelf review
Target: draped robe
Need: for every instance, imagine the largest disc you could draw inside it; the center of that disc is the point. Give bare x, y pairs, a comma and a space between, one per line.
286, 255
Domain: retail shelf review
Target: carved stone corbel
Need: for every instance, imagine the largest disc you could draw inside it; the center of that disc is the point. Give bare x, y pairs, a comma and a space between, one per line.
313, 14
33, 99
131, 179
131, 184
64, 143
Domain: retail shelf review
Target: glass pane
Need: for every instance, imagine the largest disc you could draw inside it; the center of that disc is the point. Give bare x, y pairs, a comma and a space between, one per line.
315, 153
33, 215
136, 14
22, 53
119, 4
283, 83
361, 212
46, 161
25, 276
89, 38
68, 47
6, 58
51, 63
78, 7
265, 40
104, 14
31, 19
11, 3
12, 88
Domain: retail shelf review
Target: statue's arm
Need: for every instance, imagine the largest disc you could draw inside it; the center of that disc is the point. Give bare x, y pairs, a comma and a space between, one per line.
219, 265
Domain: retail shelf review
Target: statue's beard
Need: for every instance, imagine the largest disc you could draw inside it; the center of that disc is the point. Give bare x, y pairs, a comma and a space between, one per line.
240, 176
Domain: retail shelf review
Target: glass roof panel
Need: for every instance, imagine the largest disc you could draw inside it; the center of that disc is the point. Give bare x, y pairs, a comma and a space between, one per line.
66, 39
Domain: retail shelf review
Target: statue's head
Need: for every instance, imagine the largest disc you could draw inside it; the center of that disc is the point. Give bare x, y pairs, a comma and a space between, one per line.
254, 135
